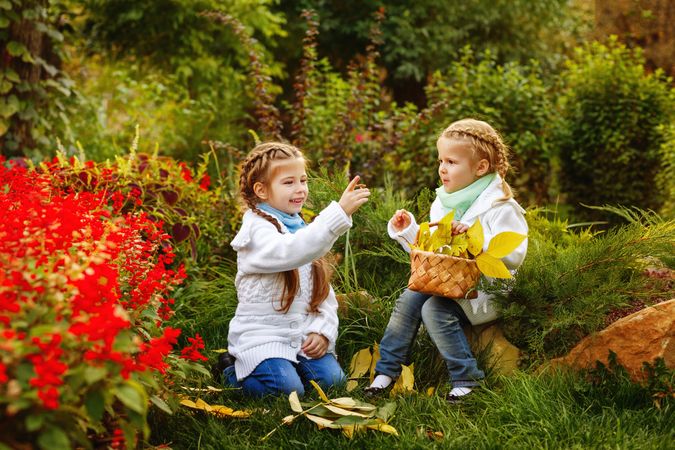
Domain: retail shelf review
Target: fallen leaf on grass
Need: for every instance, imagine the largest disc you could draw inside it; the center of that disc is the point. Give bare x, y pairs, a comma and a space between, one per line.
405, 382
216, 410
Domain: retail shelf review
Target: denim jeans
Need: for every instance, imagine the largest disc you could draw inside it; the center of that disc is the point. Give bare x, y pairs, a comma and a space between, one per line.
277, 376
443, 319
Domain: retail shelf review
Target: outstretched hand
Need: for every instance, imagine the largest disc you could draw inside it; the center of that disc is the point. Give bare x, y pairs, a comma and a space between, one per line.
354, 196
401, 220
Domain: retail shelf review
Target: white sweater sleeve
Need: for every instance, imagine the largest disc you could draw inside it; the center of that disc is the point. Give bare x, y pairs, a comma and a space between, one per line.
268, 251
325, 322
406, 236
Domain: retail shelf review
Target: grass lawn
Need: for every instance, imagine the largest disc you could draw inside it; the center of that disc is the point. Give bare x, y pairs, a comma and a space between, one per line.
523, 411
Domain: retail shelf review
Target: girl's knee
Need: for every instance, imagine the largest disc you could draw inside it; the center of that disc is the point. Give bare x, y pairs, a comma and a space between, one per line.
438, 310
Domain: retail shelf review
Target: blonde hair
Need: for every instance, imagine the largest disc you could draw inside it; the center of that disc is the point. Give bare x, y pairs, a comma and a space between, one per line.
256, 168
486, 143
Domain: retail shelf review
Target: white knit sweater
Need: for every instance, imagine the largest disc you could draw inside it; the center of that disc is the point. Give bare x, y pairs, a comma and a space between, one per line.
495, 216
258, 330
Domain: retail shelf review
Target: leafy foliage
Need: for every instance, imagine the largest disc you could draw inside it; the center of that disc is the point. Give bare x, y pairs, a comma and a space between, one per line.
613, 129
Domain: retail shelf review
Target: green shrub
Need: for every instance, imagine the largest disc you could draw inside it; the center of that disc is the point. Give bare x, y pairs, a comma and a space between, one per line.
570, 281
613, 125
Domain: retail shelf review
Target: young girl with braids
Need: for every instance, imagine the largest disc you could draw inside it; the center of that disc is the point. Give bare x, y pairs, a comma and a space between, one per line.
285, 326
472, 163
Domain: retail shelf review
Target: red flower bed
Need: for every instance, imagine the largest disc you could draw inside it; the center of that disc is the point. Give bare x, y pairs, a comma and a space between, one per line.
84, 291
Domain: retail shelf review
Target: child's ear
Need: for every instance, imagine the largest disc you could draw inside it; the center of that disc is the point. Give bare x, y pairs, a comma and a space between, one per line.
260, 190
482, 167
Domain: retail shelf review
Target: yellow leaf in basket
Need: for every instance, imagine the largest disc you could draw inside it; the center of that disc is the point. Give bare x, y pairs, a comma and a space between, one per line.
443, 234
504, 243
460, 243
476, 238
491, 266
424, 239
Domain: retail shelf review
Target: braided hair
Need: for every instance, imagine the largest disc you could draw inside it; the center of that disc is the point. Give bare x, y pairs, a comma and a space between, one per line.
254, 169
486, 143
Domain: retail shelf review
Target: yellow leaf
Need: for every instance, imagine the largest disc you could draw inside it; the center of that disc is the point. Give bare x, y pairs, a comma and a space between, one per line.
295, 402
322, 394
405, 382
443, 233
360, 363
384, 427
321, 421
459, 244
351, 385
430, 391
376, 358
504, 243
424, 239
475, 237
350, 403
348, 430
216, 410
188, 403
491, 266
220, 350
201, 404
344, 412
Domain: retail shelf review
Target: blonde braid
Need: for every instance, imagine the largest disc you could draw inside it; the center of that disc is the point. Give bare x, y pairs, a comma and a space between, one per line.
486, 143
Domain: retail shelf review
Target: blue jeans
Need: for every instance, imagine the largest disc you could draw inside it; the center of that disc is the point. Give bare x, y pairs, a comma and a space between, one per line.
277, 376
443, 319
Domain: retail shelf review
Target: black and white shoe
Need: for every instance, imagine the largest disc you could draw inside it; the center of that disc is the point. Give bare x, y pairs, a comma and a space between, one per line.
225, 360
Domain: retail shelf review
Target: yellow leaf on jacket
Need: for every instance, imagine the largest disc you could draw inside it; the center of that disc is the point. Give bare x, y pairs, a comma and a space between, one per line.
491, 266
475, 237
504, 243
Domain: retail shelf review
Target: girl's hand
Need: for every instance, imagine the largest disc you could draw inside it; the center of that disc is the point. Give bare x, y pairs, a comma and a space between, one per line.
458, 227
315, 346
400, 220
353, 197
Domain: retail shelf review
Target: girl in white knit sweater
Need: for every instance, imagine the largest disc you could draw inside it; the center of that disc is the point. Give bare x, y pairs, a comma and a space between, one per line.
284, 330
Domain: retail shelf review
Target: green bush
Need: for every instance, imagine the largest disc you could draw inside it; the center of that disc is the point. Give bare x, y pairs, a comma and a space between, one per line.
570, 281
614, 118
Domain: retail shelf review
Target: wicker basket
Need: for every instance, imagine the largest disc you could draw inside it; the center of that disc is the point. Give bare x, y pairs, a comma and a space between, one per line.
444, 275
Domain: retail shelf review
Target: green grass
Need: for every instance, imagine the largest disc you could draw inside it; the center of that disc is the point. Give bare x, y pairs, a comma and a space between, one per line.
523, 411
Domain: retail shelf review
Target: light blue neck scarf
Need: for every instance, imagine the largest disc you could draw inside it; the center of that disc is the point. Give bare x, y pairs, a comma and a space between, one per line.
292, 221
461, 200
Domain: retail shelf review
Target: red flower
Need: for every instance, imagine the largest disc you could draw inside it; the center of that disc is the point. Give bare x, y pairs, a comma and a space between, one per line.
205, 182
192, 351
185, 171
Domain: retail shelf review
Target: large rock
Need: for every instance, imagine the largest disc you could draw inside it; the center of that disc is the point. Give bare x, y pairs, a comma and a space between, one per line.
503, 356
641, 337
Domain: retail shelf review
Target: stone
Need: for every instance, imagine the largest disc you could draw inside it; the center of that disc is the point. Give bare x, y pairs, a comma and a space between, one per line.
503, 357
640, 337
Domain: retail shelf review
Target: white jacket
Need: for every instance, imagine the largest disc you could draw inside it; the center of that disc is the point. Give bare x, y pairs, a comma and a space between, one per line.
258, 330
496, 216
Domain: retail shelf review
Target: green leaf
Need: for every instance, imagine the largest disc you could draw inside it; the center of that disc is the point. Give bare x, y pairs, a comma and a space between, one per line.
94, 374
5, 86
491, 266
12, 76
54, 439
15, 48
4, 126
504, 243
34, 422
387, 411
95, 404
5, 4
161, 404
133, 396
8, 107
4, 22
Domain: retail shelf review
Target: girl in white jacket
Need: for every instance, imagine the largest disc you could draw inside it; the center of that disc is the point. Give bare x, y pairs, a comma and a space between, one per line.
473, 161
285, 326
